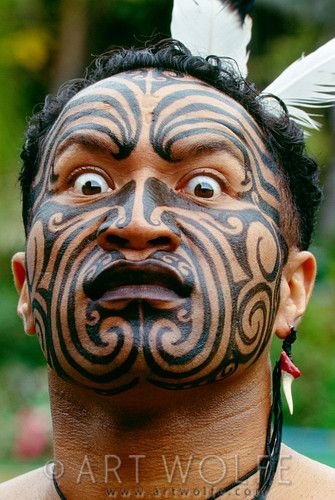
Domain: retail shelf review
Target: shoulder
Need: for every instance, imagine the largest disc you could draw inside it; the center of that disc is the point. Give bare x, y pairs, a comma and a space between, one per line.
300, 477
34, 485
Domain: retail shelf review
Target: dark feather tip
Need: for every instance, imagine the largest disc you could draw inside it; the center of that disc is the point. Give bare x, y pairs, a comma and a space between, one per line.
243, 7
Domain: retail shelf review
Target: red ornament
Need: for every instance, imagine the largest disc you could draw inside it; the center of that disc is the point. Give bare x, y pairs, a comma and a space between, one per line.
287, 365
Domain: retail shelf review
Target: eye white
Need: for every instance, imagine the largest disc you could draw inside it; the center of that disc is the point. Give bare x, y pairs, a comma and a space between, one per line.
203, 186
90, 184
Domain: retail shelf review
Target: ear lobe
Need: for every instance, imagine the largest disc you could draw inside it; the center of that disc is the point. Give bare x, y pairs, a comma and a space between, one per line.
24, 308
295, 290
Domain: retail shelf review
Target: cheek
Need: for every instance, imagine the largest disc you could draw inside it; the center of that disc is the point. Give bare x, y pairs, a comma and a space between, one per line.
62, 232
35, 255
35, 251
53, 241
257, 300
238, 259
263, 252
242, 246
58, 243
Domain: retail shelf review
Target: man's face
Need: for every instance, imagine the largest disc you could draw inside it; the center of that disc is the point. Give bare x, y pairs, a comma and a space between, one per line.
154, 252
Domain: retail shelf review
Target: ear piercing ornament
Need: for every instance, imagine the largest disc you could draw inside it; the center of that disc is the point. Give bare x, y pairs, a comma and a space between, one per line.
289, 371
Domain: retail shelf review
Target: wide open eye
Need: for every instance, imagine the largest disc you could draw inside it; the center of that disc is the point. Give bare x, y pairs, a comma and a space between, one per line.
90, 184
203, 186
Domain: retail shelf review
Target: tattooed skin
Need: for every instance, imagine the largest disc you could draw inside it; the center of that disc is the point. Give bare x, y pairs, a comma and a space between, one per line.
155, 252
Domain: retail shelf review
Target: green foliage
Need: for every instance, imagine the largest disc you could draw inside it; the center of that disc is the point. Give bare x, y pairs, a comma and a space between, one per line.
21, 387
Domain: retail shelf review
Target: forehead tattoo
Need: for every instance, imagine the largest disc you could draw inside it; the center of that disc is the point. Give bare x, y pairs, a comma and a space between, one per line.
228, 259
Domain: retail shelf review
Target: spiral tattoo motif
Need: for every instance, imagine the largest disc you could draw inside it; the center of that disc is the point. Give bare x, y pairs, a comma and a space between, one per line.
229, 257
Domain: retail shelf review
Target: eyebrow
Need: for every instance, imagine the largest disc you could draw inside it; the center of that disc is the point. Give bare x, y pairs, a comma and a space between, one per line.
92, 143
103, 145
198, 148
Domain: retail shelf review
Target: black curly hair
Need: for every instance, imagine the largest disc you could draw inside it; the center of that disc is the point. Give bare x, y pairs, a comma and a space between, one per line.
298, 179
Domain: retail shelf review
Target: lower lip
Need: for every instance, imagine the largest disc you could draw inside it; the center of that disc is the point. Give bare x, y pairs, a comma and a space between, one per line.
154, 294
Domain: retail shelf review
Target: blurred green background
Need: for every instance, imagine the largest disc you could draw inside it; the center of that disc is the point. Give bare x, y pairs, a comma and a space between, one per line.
45, 42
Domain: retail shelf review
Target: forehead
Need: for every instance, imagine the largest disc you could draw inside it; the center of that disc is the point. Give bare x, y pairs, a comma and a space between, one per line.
149, 86
157, 84
159, 105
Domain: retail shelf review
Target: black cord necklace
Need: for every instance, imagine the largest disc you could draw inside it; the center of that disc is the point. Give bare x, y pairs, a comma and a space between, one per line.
57, 488
268, 465
218, 494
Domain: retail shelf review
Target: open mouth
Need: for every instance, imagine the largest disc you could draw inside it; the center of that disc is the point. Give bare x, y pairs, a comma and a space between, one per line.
145, 280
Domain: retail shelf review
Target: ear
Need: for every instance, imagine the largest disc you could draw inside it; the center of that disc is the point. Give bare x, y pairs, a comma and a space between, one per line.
295, 290
24, 308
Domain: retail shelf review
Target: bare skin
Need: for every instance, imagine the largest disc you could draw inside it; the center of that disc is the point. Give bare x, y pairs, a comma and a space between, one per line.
126, 431
208, 424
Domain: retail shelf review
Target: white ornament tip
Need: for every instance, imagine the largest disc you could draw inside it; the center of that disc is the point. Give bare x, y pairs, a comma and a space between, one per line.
287, 380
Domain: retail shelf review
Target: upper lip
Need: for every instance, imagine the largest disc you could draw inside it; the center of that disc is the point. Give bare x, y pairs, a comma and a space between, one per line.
129, 273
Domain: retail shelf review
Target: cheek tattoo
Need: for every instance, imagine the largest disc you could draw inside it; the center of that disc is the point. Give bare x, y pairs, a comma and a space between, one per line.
222, 279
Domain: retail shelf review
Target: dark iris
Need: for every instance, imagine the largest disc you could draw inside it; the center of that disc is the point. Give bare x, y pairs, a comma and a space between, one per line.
91, 187
204, 190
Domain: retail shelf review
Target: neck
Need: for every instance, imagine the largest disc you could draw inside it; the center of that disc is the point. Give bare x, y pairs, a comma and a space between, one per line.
156, 440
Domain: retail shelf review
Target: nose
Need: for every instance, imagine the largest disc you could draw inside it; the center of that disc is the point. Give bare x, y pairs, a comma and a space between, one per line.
141, 235
138, 235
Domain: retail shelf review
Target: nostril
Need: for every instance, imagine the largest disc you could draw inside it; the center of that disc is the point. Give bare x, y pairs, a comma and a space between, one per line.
161, 240
112, 239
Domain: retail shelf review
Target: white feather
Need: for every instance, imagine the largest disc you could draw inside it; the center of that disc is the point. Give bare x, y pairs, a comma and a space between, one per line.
309, 82
210, 27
